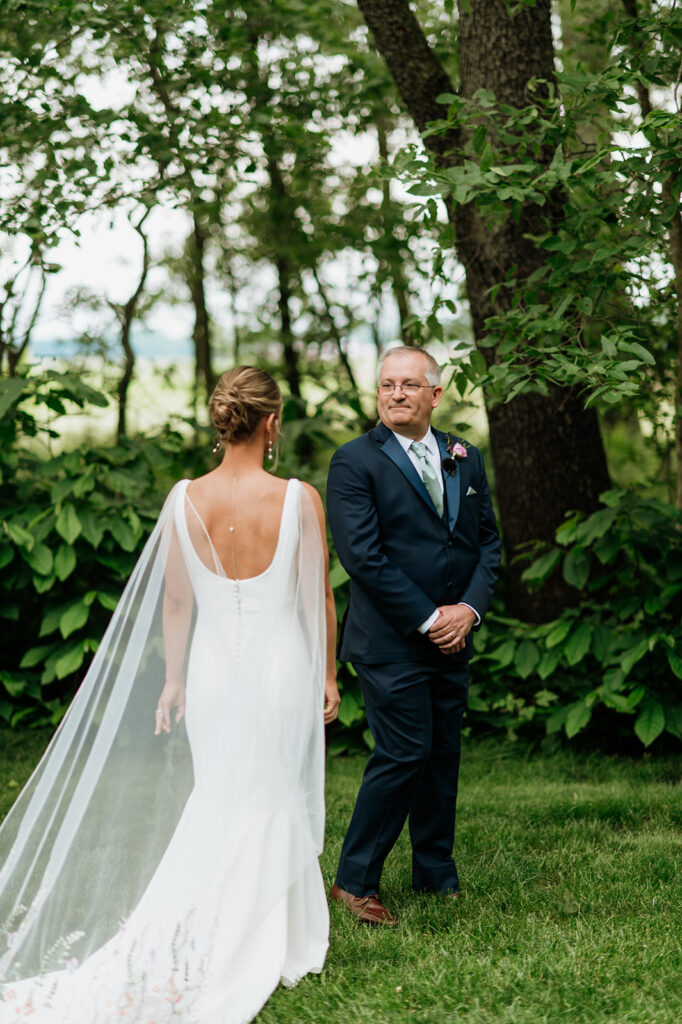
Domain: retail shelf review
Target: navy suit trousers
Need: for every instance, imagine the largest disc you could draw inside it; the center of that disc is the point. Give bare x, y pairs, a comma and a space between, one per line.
414, 711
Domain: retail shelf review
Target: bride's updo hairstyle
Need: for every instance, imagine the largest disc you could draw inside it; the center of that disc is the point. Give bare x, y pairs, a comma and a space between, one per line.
242, 398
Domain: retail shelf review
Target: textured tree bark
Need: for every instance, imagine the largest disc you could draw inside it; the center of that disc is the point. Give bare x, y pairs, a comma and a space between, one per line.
126, 315
547, 452
201, 332
281, 216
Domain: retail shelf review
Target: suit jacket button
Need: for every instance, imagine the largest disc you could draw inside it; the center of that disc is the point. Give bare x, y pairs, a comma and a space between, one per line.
449, 543
449, 583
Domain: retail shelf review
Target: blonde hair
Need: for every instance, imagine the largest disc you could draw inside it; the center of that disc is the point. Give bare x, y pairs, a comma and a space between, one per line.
242, 397
431, 371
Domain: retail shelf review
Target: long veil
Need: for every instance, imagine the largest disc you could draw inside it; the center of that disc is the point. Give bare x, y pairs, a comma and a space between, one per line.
90, 828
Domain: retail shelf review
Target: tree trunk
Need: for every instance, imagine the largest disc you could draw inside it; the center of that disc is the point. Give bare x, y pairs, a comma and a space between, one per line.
126, 315
282, 219
13, 342
124, 382
201, 332
547, 452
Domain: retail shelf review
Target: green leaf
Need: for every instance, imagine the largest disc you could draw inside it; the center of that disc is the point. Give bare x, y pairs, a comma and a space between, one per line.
650, 723
337, 575
526, 658
70, 661
674, 661
576, 568
21, 536
632, 656
477, 704
673, 720
68, 524
349, 709
602, 642
643, 353
548, 662
108, 601
75, 616
556, 721
15, 686
478, 363
6, 555
40, 559
539, 570
93, 530
10, 392
558, 633
596, 525
35, 655
504, 654
122, 533
578, 644
61, 489
65, 561
50, 620
44, 583
577, 718
544, 698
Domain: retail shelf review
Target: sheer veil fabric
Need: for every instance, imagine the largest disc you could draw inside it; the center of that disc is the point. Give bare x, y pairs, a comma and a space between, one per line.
175, 878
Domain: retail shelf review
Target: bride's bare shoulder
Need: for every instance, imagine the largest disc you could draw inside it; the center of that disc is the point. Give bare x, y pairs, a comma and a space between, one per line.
312, 493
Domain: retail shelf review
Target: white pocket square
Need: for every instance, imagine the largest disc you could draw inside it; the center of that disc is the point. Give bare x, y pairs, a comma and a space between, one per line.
470, 491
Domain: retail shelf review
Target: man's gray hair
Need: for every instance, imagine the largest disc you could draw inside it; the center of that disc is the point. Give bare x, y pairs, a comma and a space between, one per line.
432, 371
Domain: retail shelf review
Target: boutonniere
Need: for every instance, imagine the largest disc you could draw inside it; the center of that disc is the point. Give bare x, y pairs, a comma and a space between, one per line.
456, 451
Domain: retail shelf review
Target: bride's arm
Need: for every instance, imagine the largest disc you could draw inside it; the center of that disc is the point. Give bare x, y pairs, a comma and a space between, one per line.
178, 602
332, 698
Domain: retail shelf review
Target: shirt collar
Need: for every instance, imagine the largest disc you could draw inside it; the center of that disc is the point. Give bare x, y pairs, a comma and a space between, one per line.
429, 439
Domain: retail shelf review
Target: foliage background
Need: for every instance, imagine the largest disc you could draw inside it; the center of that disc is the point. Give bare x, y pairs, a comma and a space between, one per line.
315, 226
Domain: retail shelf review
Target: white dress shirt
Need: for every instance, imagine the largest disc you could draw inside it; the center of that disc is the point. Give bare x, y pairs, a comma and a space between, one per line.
434, 457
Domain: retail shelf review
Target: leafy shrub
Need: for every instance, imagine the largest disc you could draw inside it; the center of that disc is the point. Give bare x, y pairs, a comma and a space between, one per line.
614, 661
73, 527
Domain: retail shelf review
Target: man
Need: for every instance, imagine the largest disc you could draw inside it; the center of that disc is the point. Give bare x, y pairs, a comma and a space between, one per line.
411, 516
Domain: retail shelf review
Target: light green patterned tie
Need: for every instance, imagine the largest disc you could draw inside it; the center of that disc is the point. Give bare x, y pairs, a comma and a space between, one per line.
428, 475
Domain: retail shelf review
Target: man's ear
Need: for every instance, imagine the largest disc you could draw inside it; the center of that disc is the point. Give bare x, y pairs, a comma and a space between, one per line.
437, 394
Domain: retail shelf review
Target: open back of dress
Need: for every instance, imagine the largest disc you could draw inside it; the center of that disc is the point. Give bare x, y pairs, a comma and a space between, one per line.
175, 878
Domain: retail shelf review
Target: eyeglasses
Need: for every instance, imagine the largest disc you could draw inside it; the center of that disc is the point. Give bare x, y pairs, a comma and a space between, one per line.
410, 387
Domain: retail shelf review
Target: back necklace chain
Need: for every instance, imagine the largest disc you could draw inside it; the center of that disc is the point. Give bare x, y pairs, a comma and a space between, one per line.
232, 526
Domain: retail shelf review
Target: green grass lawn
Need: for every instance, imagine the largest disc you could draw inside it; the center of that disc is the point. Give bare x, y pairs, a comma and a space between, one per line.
571, 869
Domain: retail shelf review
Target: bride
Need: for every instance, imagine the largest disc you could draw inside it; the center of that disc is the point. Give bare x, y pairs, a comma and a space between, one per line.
161, 863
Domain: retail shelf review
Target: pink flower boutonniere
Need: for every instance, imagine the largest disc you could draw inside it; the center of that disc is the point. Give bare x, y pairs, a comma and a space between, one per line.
455, 451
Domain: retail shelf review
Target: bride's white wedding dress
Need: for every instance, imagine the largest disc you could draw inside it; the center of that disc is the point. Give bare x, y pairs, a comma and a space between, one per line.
175, 879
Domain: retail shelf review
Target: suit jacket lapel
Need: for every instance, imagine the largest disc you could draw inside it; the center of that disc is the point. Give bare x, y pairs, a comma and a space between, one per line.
391, 446
452, 481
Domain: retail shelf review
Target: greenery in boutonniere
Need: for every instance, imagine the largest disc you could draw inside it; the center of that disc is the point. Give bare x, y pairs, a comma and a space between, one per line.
456, 451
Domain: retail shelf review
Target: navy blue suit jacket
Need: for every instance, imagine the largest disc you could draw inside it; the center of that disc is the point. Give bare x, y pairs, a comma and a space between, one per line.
404, 560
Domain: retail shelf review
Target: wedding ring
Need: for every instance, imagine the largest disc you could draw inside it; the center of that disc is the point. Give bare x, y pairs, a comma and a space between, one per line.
158, 712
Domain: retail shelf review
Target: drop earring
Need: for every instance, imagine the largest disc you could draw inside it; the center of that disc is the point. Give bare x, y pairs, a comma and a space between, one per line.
218, 445
268, 451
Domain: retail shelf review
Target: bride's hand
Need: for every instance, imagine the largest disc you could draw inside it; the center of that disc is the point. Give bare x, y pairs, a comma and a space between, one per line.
172, 696
332, 699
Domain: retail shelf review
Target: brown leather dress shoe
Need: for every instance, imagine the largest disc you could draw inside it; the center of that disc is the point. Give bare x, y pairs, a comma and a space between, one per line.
365, 908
